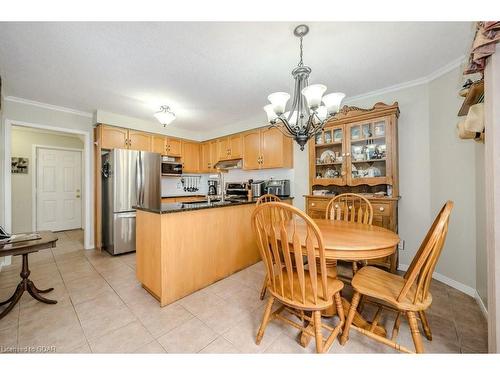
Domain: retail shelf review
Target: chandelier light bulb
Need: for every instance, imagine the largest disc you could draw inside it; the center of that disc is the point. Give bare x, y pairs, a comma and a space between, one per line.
332, 102
279, 100
313, 94
271, 115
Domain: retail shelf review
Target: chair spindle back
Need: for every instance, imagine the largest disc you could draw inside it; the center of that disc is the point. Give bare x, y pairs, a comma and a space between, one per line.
419, 274
266, 198
275, 225
350, 207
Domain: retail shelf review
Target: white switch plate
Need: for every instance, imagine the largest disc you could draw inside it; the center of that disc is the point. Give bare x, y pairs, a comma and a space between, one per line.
401, 245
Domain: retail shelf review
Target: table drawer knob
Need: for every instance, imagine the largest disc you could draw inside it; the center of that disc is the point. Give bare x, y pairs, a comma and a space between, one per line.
381, 209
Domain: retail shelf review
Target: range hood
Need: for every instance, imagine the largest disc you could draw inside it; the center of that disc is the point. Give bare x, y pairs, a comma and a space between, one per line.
229, 164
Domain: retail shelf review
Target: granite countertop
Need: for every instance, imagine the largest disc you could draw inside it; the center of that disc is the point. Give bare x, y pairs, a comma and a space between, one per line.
168, 208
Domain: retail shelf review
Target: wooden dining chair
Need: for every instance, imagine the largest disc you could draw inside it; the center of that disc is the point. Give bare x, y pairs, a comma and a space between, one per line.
409, 294
266, 198
350, 207
297, 286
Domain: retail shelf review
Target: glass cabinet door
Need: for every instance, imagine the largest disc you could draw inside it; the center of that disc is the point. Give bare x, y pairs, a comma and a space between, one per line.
368, 152
329, 162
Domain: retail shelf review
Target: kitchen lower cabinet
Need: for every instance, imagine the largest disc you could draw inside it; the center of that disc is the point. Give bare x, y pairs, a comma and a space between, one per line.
385, 215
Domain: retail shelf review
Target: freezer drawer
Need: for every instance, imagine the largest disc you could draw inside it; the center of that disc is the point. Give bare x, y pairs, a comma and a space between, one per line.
123, 233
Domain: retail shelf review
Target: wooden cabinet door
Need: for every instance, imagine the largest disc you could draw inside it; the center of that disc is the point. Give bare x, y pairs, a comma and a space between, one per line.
190, 157
158, 144
205, 160
214, 156
112, 137
174, 147
251, 150
138, 140
223, 148
271, 148
235, 146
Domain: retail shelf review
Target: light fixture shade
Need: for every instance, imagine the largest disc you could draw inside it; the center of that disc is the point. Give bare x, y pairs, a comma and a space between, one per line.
278, 101
322, 113
271, 115
332, 101
313, 94
165, 116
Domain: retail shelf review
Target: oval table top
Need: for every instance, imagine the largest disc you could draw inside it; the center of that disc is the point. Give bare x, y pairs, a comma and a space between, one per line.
353, 241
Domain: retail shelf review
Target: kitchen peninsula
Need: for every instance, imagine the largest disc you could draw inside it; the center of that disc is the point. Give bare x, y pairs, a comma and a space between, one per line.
184, 247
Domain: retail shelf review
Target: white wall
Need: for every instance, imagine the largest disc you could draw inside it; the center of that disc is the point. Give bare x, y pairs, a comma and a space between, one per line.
453, 177
23, 113
22, 141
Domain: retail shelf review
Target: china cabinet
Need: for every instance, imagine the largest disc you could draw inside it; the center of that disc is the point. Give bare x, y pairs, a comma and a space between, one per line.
357, 152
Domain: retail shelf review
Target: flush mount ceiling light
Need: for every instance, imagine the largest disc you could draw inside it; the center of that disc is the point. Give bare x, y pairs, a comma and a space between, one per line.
165, 115
308, 116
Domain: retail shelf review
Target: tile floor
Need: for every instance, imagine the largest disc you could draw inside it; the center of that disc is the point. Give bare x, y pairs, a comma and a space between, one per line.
103, 309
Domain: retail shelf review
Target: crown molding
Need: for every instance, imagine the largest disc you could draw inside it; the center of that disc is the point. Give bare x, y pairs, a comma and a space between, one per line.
52, 107
416, 82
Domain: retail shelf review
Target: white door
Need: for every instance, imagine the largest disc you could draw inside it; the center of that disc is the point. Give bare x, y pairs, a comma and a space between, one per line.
58, 190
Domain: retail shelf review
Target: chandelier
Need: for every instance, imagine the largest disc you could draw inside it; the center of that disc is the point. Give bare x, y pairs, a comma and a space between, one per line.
310, 109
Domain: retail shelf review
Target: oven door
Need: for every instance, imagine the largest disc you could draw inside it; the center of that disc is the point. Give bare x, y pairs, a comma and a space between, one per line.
171, 169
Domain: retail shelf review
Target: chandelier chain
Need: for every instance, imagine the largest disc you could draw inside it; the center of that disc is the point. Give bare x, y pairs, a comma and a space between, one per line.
301, 63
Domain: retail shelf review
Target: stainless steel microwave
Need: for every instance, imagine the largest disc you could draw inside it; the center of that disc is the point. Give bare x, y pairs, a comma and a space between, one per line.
171, 168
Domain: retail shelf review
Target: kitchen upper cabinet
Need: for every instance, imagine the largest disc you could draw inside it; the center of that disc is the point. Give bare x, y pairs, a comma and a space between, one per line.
166, 146
267, 148
190, 157
140, 141
158, 144
173, 147
112, 137
251, 150
235, 146
205, 160
276, 149
208, 156
230, 147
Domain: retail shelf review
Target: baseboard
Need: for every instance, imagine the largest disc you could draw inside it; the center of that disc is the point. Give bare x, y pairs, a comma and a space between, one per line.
483, 308
450, 282
457, 285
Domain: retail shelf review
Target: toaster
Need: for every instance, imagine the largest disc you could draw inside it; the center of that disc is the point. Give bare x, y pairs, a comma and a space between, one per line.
280, 188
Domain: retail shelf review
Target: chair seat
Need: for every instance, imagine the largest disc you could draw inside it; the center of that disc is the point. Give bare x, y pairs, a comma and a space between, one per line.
333, 286
385, 286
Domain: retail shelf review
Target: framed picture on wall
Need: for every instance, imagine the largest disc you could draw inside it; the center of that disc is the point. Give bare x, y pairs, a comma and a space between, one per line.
19, 165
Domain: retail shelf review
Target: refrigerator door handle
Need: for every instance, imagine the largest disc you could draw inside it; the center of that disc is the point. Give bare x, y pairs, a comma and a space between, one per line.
138, 181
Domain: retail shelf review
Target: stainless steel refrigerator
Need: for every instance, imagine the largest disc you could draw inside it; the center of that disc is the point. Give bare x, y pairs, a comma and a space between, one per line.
129, 178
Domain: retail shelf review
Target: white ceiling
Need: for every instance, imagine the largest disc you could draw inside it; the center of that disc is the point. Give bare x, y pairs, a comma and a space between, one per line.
212, 74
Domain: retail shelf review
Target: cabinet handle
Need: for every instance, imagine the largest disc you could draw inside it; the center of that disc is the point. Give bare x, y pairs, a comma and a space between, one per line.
313, 204
381, 209
348, 154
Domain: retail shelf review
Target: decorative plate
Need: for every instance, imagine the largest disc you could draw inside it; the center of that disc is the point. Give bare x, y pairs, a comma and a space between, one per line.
327, 157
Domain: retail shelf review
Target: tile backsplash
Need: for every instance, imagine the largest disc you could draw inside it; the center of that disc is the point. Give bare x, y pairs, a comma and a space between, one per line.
172, 185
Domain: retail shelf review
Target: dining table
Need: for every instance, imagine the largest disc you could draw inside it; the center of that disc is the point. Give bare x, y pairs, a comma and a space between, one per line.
349, 241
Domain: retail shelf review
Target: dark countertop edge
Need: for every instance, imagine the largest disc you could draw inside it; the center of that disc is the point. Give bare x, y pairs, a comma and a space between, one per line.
170, 208
184, 196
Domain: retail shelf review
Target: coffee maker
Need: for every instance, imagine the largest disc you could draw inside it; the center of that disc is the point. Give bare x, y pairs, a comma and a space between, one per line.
213, 187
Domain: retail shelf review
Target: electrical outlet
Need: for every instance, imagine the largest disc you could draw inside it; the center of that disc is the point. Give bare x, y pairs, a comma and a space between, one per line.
401, 245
